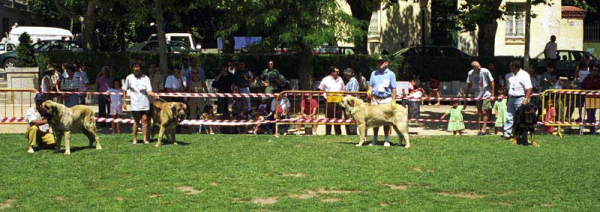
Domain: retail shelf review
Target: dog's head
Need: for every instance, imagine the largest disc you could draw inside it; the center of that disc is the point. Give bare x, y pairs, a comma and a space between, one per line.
49, 109
179, 110
349, 103
528, 114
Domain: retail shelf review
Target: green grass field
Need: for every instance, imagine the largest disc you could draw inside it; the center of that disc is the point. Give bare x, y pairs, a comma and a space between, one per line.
303, 173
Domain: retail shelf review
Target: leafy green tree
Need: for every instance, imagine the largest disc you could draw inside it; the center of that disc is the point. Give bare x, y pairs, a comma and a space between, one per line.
302, 25
87, 19
25, 54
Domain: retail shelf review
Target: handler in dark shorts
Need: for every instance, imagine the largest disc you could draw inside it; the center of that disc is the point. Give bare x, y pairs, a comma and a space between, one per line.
481, 83
138, 86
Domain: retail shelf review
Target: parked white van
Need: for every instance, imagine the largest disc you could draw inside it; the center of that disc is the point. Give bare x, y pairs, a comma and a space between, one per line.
43, 33
183, 37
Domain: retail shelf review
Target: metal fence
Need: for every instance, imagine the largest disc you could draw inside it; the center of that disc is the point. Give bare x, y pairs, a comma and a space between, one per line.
591, 32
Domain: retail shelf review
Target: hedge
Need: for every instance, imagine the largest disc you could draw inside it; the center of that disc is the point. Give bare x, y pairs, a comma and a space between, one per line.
446, 69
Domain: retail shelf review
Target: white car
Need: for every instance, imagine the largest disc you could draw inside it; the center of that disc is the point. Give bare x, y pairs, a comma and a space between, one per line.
7, 47
181, 37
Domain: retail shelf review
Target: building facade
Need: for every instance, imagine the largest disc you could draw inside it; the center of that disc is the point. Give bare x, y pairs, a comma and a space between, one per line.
11, 12
412, 23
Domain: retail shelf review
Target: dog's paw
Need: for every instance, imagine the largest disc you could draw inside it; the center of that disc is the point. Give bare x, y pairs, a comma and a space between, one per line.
175, 143
407, 146
67, 152
358, 145
157, 145
98, 147
30, 151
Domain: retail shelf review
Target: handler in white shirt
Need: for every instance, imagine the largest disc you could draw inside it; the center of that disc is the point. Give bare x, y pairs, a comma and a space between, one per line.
138, 86
334, 83
519, 90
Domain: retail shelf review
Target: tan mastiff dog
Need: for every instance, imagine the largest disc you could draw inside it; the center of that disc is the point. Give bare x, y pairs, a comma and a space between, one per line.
167, 115
64, 120
367, 116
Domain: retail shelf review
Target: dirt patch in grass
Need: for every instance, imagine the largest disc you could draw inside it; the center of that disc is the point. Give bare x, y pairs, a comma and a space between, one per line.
504, 203
120, 199
189, 190
155, 195
308, 195
129, 189
58, 198
293, 174
548, 204
468, 195
333, 191
418, 185
213, 184
264, 201
396, 187
327, 200
506, 193
386, 204
418, 169
6, 204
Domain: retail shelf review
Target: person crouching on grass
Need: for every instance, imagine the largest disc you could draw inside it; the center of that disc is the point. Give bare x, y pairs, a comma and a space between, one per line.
455, 123
116, 104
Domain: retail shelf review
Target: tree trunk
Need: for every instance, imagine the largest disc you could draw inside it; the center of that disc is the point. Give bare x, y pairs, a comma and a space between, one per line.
527, 33
87, 27
229, 44
486, 38
305, 71
162, 40
361, 10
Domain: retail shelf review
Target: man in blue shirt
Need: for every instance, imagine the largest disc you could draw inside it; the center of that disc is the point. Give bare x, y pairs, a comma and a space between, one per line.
382, 90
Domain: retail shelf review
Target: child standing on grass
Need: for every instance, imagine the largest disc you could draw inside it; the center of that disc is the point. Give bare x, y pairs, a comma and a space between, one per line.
500, 112
116, 104
209, 114
456, 124
549, 117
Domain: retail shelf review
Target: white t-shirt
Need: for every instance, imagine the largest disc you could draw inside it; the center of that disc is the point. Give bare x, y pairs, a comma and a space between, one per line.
173, 82
32, 115
583, 74
517, 84
84, 79
481, 83
330, 84
137, 89
550, 50
115, 99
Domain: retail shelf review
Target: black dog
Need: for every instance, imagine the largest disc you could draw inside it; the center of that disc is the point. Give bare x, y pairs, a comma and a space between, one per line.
525, 121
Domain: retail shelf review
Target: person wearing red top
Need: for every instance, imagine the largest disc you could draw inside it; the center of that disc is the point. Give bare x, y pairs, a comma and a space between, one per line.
434, 88
308, 110
592, 82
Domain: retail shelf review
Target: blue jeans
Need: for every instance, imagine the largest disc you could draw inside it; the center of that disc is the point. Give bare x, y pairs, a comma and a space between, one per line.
247, 90
511, 108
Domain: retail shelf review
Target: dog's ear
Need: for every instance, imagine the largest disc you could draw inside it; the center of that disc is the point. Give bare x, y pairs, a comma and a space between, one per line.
351, 102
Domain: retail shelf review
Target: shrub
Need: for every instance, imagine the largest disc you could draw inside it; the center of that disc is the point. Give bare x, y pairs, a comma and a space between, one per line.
25, 54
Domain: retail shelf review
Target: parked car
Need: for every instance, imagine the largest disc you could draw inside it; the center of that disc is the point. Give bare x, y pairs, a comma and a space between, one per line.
334, 50
42, 33
7, 47
183, 37
432, 51
566, 64
10, 58
172, 47
57, 45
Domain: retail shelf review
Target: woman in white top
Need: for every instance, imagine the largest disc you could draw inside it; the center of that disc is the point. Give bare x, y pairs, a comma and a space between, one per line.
582, 72
138, 86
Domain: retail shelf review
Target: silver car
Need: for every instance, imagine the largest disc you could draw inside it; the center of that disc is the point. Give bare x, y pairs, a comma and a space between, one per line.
172, 47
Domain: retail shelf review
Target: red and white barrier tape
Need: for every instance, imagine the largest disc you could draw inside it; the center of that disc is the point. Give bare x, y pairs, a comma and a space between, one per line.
283, 121
201, 95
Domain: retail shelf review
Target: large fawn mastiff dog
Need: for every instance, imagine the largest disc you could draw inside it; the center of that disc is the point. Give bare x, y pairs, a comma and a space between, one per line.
367, 116
64, 120
167, 115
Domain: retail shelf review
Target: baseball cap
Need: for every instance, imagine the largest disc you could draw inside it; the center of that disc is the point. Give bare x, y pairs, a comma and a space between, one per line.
39, 97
